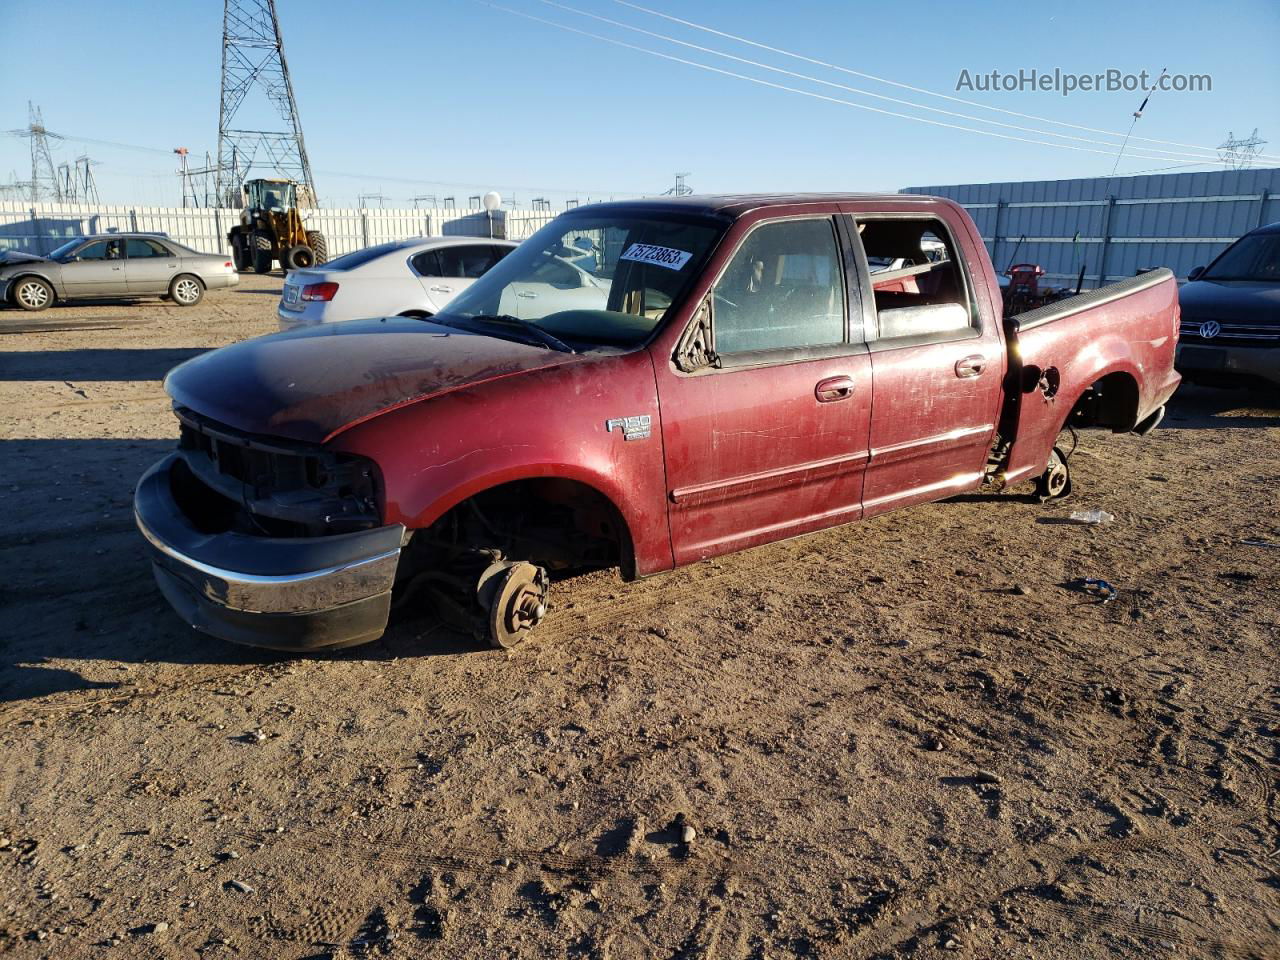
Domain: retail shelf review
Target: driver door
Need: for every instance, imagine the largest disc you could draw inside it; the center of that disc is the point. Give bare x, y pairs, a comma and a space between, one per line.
98, 270
770, 440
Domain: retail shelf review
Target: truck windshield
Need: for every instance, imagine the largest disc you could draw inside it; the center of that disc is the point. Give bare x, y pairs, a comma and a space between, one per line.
1249, 258
607, 280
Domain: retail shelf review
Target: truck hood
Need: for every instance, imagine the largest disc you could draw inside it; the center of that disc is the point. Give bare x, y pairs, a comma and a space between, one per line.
1237, 301
313, 383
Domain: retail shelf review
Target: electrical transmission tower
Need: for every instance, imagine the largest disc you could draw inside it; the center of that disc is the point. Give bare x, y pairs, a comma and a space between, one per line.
1240, 152
44, 179
253, 62
681, 189
75, 180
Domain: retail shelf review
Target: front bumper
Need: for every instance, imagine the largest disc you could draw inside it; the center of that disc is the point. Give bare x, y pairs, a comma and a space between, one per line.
286, 593
1228, 365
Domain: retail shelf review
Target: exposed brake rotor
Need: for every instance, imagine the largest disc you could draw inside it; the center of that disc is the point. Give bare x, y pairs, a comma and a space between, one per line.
514, 595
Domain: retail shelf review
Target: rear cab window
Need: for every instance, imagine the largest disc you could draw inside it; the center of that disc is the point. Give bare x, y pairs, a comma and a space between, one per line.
920, 288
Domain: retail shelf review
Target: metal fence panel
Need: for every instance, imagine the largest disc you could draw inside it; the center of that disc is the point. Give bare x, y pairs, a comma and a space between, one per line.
1114, 227
39, 228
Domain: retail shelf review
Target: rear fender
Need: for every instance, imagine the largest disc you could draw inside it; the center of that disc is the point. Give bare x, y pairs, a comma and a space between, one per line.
1046, 397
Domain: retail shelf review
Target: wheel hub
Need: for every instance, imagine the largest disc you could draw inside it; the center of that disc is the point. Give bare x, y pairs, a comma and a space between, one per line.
515, 595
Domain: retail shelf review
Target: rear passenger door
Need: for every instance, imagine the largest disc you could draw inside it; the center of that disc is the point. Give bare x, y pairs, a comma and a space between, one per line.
149, 266
770, 439
937, 362
446, 271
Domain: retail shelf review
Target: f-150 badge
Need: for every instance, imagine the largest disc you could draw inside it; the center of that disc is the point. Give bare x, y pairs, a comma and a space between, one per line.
633, 428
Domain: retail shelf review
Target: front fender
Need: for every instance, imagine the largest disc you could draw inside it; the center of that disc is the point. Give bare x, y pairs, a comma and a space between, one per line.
51, 277
545, 423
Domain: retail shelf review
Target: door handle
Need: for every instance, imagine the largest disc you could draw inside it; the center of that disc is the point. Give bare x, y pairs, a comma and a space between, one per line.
117, 268
442, 289
971, 366
834, 388
527, 295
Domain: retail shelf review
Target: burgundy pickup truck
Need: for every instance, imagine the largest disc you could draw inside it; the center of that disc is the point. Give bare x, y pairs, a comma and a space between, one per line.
643, 384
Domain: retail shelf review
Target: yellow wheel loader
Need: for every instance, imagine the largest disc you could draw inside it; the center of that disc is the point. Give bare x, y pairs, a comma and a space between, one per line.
271, 230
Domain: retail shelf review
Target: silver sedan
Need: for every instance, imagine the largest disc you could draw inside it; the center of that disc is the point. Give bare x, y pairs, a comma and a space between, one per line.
114, 265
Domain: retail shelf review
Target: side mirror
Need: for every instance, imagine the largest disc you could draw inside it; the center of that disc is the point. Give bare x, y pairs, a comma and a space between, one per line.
1196, 273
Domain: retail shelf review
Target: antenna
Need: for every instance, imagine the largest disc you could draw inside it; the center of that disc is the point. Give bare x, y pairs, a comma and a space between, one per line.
253, 60
1137, 115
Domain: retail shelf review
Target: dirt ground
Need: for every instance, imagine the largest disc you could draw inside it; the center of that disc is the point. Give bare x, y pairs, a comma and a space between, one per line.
905, 737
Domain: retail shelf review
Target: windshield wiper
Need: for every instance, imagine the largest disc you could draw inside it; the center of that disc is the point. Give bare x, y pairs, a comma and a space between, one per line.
533, 331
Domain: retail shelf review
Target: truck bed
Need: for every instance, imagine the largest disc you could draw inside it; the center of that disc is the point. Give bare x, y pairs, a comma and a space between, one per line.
1105, 355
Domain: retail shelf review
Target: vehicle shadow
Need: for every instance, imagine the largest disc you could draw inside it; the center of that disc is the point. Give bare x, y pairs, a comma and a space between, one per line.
125, 364
76, 582
1195, 407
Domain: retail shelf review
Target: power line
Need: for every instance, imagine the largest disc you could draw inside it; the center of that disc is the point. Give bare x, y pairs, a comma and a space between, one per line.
803, 93
895, 83
841, 86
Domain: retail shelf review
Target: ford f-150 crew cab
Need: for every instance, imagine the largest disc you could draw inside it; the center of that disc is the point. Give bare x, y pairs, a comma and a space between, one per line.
738, 375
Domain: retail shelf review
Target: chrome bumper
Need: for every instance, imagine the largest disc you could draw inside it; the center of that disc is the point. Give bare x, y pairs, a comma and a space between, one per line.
287, 593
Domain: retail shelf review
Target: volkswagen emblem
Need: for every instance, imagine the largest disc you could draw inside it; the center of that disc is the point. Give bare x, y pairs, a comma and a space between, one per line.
1210, 329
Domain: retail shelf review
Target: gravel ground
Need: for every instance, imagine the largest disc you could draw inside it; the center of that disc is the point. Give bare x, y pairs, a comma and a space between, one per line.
906, 737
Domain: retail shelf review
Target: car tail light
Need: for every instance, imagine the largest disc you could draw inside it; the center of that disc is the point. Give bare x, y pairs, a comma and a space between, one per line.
228, 264
319, 291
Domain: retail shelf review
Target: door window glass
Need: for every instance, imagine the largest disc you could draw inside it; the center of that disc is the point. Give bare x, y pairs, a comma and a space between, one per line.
919, 289
141, 248
427, 264
102, 250
466, 262
783, 289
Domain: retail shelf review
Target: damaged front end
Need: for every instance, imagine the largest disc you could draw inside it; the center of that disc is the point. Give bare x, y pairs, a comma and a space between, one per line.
269, 542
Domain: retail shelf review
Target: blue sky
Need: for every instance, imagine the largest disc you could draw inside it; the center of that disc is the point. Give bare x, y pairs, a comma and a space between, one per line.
395, 95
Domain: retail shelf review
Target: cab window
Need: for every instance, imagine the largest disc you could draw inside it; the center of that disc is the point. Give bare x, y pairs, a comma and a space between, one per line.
915, 272
783, 289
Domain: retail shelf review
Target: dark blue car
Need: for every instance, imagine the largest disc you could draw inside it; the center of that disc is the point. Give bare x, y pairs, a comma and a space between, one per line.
1231, 315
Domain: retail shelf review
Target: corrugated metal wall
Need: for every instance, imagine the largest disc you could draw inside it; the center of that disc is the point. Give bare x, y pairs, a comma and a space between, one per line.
1115, 227
38, 228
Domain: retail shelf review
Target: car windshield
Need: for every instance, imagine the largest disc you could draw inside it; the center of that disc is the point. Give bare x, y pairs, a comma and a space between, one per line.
66, 248
606, 280
1249, 258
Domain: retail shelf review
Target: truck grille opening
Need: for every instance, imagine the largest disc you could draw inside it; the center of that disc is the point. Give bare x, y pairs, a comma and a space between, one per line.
230, 480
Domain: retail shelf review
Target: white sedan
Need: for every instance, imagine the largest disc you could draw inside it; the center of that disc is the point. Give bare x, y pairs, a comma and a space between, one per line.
414, 277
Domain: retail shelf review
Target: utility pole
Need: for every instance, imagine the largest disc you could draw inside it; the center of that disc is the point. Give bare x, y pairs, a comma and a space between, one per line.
253, 60
43, 177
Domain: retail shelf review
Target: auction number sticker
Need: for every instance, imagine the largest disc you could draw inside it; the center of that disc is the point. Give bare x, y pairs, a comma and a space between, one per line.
658, 256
